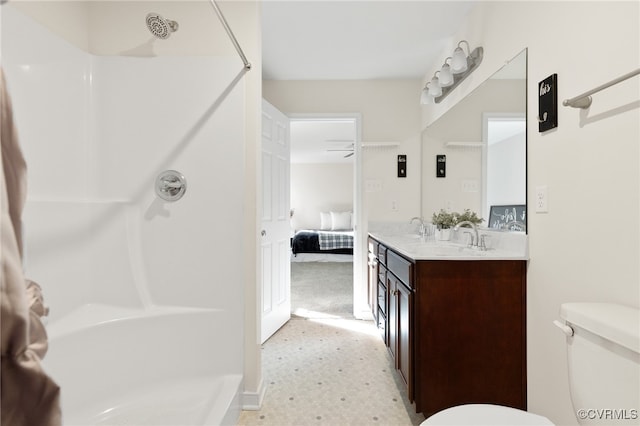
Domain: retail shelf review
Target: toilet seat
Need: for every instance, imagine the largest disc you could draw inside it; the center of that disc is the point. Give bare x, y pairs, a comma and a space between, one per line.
485, 414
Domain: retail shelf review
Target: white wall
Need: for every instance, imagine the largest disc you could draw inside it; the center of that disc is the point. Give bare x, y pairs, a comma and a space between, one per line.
319, 188
69, 20
586, 248
389, 113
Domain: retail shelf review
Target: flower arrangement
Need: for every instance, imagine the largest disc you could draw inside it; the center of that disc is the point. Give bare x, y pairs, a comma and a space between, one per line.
469, 216
445, 220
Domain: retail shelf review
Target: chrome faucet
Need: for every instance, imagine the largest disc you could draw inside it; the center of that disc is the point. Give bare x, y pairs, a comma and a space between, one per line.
475, 240
422, 228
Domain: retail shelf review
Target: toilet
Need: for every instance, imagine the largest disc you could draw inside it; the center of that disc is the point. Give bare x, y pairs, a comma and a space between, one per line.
603, 357
485, 415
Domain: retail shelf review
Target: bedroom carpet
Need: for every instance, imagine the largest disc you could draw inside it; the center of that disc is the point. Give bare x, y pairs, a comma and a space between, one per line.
327, 368
322, 288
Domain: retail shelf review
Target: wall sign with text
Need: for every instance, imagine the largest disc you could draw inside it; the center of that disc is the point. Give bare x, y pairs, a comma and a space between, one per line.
548, 103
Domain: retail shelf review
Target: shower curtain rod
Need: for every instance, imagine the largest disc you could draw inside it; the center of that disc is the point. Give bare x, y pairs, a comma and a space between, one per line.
584, 101
247, 64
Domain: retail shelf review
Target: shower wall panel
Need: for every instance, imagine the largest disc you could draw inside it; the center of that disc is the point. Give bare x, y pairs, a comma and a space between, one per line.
96, 131
184, 114
48, 80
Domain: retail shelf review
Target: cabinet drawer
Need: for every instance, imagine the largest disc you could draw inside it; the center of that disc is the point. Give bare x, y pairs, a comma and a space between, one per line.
382, 254
382, 274
373, 247
400, 267
382, 325
382, 298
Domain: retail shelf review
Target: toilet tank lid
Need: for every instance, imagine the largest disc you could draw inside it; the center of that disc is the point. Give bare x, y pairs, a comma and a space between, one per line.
617, 323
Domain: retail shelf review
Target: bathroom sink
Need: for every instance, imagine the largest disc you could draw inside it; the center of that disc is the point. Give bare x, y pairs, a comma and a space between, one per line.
412, 236
500, 246
447, 250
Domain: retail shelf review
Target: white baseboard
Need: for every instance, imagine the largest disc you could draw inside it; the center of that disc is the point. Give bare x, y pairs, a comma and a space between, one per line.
364, 315
252, 401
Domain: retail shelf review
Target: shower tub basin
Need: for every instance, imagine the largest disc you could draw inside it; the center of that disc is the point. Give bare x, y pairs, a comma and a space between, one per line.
153, 366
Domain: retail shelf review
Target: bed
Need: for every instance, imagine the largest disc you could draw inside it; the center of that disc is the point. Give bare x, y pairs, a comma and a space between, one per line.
310, 245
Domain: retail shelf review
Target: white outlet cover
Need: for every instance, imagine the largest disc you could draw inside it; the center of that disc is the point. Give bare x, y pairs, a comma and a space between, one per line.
542, 199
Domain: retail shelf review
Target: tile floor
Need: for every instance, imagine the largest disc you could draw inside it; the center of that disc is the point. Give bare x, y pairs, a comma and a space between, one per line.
330, 371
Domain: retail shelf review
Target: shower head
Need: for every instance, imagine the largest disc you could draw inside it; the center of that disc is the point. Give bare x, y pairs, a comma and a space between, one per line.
160, 27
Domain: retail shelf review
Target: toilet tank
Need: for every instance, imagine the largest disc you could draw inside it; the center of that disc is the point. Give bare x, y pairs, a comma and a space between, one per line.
604, 362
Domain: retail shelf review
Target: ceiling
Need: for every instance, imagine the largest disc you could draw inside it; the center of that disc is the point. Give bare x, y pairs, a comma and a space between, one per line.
356, 40
322, 140
351, 40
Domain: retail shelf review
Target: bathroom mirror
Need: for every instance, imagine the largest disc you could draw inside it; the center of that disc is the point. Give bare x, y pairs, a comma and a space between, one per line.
483, 139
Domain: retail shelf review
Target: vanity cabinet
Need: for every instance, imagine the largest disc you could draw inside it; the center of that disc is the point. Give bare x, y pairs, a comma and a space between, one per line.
393, 307
399, 324
470, 328
456, 329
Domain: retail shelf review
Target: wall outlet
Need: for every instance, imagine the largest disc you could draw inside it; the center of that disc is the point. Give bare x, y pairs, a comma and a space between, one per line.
542, 196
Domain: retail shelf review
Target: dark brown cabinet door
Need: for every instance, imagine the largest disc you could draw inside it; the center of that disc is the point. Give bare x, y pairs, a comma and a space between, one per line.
392, 316
404, 299
400, 315
383, 302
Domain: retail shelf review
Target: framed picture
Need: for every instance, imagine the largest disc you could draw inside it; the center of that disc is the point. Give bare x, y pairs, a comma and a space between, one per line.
512, 217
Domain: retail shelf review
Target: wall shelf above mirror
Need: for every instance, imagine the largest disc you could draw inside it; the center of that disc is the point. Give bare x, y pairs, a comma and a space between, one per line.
455, 144
484, 138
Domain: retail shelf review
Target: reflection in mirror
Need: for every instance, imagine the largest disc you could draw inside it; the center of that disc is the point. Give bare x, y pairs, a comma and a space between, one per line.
484, 139
504, 177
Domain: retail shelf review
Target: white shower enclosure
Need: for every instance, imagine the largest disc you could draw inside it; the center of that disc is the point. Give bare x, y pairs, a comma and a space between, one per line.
145, 295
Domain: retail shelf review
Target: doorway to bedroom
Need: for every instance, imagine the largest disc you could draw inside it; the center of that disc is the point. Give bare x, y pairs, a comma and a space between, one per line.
324, 161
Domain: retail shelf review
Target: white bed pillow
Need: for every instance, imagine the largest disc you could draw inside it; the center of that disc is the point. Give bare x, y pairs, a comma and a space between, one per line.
325, 221
340, 221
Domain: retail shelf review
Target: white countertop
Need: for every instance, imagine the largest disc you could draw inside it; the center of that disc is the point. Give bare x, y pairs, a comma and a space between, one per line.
500, 246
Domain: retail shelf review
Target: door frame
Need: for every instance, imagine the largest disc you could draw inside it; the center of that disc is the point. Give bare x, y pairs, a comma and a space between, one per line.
360, 304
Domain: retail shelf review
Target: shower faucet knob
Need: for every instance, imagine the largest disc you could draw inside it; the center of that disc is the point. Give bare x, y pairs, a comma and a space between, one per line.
171, 185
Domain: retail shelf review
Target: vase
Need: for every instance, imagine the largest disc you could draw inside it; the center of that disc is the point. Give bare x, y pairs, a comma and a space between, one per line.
444, 234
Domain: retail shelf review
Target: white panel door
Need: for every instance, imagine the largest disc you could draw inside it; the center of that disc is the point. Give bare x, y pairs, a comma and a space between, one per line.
276, 229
